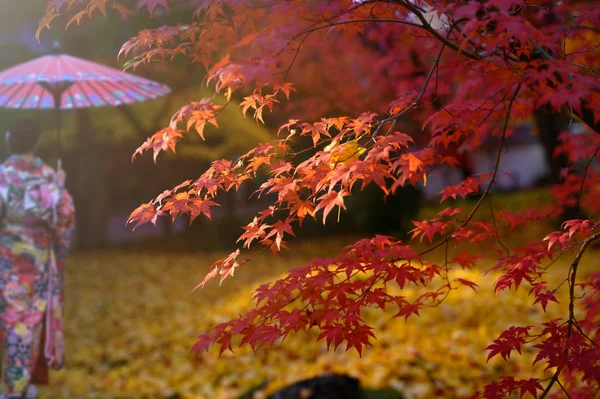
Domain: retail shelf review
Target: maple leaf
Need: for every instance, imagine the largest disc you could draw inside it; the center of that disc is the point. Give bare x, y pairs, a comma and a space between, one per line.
530, 386
152, 4
212, 274
303, 209
428, 228
288, 126
509, 340
329, 200
468, 283
331, 334
400, 104
228, 265
542, 294
407, 310
50, 15
203, 343
465, 259
198, 206
467, 187
164, 139
278, 229
576, 226
286, 88
57, 5
253, 231
315, 130
177, 204
143, 214
410, 168
450, 211
77, 18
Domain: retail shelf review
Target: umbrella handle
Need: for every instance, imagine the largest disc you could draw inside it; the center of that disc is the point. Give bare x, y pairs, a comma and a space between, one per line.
59, 164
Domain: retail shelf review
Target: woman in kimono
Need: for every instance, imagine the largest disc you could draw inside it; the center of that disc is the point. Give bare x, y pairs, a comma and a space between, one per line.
36, 224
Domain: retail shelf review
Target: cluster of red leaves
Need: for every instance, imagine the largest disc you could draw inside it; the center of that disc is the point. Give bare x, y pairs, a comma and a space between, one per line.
467, 73
333, 292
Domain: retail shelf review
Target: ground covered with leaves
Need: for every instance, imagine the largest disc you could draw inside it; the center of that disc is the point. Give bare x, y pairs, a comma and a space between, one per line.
132, 320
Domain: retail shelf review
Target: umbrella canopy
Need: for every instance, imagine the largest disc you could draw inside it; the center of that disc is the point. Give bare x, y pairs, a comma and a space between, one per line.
72, 82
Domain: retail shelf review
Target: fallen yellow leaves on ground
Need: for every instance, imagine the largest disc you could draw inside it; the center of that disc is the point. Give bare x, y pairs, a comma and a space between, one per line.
131, 320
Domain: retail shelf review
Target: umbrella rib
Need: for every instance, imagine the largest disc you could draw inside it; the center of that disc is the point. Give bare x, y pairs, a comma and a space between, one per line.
100, 96
68, 62
14, 93
83, 92
5, 88
24, 99
46, 66
22, 70
103, 84
135, 89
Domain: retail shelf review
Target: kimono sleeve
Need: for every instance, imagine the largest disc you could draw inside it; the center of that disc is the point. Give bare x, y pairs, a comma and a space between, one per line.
65, 225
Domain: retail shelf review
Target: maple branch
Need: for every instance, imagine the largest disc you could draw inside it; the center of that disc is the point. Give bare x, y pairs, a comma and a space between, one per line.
585, 172
492, 179
427, 26
356, 21
415, 102
574, 267
572, 320
585, 68
578, 327
417, 99
563, 388
306, 33
585, 27
496, 228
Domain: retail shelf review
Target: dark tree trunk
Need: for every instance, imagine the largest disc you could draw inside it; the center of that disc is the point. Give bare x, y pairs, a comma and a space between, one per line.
550, 126
90, 188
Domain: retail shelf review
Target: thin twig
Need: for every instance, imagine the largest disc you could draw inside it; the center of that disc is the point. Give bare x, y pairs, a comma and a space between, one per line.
410, 7
585, 172
496, 227
572, 319
563, 388
492, 179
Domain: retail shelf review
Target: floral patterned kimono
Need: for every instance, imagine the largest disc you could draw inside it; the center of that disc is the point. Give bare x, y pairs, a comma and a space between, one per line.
36, 224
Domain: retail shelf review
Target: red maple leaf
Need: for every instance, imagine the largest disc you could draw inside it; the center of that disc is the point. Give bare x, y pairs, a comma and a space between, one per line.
143, 214
509, 340
329, 200
530, 386
278, 229
468, 283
